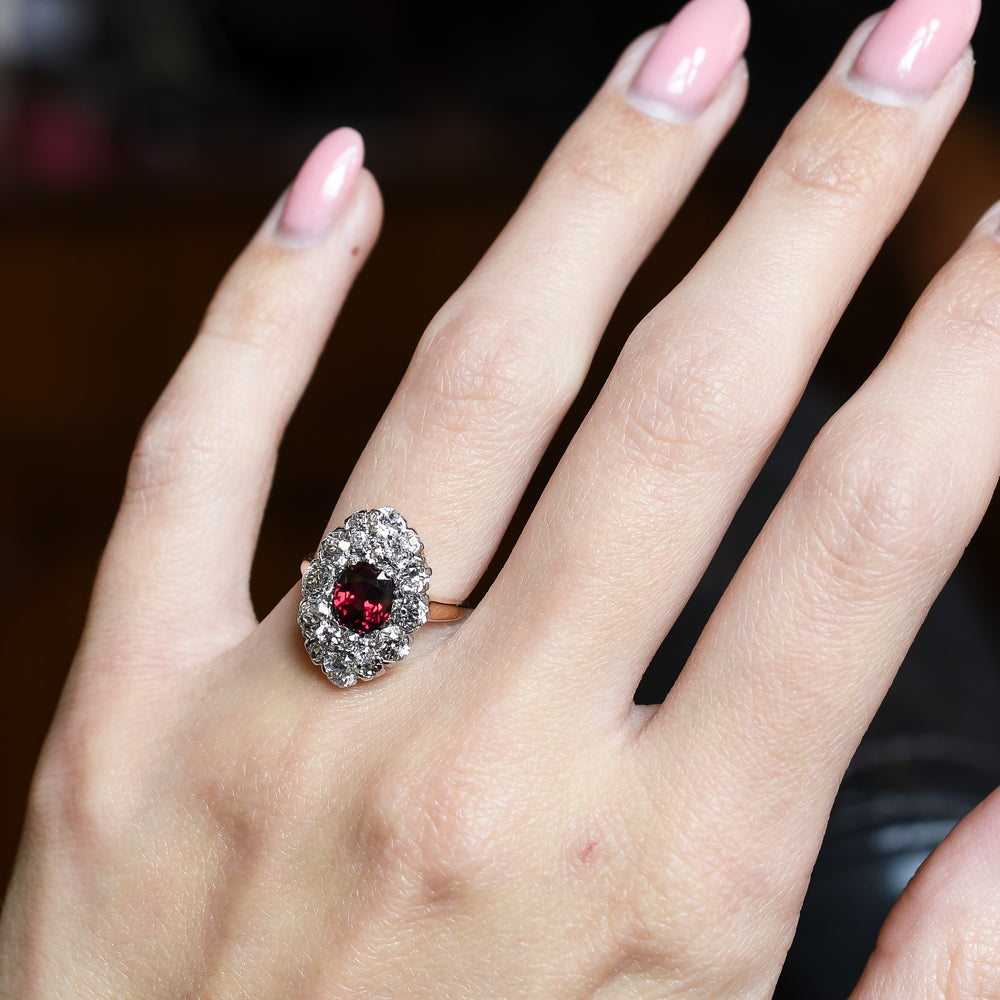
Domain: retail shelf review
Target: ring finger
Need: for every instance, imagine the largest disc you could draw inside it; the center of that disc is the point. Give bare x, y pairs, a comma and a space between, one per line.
500, 363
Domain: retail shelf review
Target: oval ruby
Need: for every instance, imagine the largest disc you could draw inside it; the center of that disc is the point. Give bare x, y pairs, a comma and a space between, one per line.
362, 597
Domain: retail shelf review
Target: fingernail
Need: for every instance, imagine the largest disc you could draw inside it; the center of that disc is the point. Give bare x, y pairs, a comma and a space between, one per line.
321, 187
990, 222
915, 43
692, 57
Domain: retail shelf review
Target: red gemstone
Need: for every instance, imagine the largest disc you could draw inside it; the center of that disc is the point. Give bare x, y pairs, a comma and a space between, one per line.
362, 597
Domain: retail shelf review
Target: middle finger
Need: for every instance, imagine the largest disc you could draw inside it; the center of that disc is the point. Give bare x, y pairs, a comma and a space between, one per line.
708, 380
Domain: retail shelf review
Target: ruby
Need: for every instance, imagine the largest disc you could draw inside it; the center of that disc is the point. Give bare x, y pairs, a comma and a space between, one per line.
362, 597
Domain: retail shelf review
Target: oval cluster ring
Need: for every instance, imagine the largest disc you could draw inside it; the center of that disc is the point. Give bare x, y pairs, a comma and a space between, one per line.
364, 594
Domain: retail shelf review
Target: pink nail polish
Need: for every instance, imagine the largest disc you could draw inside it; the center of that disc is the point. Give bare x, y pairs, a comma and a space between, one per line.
915, 43
692, 57
321, 187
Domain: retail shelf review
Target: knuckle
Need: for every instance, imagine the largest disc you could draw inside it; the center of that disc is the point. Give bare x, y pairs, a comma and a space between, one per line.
487, 377
681, 419
841, 167
261, 804
73, 792
437, 831
154, 459
593, 157
879, 508
971, 317
175, 448
969, 968
657, 930
251, 313
686, 872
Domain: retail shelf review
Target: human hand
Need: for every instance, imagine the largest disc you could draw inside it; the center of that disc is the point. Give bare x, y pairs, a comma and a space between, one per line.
494, 817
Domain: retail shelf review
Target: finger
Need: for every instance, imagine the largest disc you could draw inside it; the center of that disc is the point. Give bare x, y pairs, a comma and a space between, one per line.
800, 651
500, 363
709, 378
179, 558
942, 938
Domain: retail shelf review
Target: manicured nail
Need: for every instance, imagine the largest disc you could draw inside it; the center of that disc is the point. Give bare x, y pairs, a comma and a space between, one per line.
692, 57
321, 187
990, 221
915, 43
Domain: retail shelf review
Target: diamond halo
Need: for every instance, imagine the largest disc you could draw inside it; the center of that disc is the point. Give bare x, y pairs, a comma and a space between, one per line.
364, 595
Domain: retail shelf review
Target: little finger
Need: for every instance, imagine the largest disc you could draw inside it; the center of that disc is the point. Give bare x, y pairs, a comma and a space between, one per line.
800, 651
180, 553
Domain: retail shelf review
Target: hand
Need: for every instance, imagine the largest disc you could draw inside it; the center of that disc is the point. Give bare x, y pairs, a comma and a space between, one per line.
494, 817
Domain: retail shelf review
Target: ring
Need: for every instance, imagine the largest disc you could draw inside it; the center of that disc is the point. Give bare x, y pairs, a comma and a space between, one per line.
364, 594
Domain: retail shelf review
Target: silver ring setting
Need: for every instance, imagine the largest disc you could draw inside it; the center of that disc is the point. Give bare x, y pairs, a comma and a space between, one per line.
364, 594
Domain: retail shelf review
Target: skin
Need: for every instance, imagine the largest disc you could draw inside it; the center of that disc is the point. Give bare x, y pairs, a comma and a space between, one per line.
211, 819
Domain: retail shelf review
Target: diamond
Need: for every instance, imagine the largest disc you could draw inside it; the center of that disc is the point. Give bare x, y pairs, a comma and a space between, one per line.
369, 667
414, 575
340, 676
410, 612
393, 643
363, 596
317, 580
335, 548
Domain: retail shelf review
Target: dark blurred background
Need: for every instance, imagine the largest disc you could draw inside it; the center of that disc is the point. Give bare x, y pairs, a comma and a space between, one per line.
142, 141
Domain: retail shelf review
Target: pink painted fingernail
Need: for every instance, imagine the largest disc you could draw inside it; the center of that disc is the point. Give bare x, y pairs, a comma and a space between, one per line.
915, 43
321, 187
692, 57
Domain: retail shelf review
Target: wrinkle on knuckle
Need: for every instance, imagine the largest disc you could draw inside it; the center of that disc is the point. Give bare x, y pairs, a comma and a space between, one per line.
439, 836
839, 168
969, 965
174, 449
253, 330
972, 314
595, 159
876, 507
642, 942
716, 888
659, 914
680, 420
74, 791
254, 311
711, 940
255, 801
488, 379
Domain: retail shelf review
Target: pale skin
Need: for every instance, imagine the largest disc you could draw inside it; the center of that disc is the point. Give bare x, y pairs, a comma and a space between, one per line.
494, 817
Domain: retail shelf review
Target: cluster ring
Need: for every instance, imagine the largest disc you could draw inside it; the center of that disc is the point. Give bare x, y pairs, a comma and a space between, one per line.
364, 594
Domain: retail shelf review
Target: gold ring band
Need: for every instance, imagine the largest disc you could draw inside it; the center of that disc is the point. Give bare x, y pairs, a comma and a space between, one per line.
364, 594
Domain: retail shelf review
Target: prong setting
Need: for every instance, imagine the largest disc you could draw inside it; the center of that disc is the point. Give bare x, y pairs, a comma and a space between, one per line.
353, 633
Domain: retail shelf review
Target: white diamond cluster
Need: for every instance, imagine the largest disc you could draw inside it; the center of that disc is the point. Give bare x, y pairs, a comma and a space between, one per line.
382, 539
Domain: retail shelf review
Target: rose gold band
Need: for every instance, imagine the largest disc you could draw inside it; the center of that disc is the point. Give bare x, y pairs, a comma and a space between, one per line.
438, 612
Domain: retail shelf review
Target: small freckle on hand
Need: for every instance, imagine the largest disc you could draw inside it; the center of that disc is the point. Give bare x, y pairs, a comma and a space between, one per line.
355, 251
